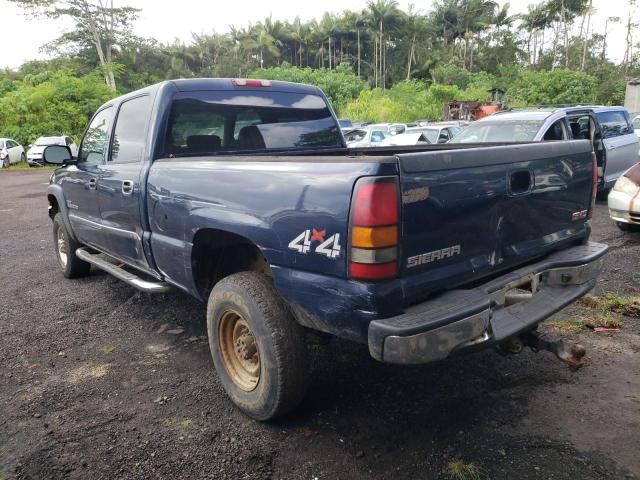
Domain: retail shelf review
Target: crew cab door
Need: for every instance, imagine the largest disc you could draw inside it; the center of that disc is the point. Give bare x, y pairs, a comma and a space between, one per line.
119, 187
620, 143
80, 181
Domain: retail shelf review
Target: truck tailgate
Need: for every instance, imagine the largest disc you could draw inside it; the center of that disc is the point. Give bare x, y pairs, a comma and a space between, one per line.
470, 213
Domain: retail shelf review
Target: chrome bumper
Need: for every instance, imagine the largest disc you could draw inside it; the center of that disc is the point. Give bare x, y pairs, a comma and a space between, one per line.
505, 306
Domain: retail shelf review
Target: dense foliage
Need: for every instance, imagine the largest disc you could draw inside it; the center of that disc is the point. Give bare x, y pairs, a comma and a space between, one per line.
379, 63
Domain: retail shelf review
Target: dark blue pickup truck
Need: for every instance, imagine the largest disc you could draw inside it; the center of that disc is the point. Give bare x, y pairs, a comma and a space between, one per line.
243, 194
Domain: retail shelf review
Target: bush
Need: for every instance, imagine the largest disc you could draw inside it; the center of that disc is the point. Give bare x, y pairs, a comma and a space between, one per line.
557, 87
339, 85
51, 103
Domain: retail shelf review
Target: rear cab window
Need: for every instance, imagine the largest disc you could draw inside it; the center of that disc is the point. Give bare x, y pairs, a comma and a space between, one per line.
219, 122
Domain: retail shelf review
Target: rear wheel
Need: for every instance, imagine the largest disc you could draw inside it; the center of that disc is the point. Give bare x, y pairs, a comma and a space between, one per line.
23, 157
72, 266
6, 163
258, 349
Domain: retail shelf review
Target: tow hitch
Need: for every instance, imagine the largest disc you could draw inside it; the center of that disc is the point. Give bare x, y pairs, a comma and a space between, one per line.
570, 353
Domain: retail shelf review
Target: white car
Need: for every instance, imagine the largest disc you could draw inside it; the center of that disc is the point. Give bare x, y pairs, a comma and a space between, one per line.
624, 200
405, 139
10, 152
636, 125
34, 154
364, 137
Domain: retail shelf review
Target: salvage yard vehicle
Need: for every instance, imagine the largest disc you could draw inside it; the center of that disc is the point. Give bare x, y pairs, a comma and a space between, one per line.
419, 252
34, 154
609, 129
624, 200
10, 152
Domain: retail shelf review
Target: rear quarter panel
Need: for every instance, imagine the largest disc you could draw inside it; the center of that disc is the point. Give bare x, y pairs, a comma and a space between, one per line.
269, 202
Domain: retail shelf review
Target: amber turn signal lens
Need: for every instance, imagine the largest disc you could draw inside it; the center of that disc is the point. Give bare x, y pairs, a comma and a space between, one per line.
374, 237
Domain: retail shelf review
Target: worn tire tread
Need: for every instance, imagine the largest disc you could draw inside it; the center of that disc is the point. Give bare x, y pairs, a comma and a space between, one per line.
287, 337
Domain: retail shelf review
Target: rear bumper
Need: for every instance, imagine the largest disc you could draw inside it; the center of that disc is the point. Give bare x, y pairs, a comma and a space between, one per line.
463, 319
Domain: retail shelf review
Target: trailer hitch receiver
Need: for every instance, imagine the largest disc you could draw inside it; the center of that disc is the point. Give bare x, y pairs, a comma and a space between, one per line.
570, 353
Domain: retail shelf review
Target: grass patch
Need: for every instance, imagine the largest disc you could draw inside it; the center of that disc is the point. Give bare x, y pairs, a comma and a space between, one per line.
24, 166
461, 470
108, 350
613, 303
607, 320
568, 326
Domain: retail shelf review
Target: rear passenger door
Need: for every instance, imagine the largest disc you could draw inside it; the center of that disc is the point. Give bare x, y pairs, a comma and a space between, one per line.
120, 193
620, 143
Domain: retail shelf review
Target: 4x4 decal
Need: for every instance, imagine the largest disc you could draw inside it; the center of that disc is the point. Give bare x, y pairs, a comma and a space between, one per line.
329, 247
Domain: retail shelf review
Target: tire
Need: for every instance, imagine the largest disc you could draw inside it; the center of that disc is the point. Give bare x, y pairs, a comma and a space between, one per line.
65, 247
23, 157
626, 227
277, 384
6, 163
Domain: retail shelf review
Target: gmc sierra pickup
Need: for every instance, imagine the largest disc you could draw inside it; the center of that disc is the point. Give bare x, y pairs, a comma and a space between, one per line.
243, 194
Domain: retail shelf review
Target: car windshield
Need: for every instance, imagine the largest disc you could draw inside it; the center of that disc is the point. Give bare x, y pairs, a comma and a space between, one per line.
220, 122
503, 131
44, 141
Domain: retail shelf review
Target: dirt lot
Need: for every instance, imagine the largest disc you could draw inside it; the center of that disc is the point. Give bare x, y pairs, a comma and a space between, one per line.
92, 387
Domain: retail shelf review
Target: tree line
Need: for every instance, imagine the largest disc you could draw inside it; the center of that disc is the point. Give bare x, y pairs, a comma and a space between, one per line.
467, 46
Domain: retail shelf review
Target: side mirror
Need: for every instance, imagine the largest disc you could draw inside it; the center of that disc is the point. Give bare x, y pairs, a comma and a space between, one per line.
57, 155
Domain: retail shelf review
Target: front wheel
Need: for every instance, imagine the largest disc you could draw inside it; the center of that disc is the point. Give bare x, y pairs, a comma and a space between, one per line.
6, 163
626, 227
258, 349
72, 266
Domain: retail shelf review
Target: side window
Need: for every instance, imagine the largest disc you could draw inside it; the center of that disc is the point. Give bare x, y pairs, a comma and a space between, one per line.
127, 145
95, 139
556, 131
613, 123
11, 144
377, 137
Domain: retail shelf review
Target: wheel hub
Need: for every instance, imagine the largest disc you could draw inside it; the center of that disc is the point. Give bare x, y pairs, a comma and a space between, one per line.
63, 249
239, 350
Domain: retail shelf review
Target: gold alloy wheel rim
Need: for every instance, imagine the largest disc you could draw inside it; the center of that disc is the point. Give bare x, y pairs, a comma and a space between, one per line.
239, 350
62, 248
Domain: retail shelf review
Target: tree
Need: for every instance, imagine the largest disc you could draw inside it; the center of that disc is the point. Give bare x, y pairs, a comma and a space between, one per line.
98, 23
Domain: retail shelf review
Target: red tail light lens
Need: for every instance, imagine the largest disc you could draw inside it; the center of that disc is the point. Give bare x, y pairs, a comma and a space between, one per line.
376, 204
374, 229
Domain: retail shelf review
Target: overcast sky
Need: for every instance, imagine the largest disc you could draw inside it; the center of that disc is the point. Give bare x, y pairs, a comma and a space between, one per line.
22, 37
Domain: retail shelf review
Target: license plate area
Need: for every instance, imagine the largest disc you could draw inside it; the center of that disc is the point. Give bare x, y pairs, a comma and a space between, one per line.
516, 291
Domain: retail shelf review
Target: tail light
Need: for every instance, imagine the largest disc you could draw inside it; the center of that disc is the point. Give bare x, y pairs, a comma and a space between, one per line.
375, 215
594, 192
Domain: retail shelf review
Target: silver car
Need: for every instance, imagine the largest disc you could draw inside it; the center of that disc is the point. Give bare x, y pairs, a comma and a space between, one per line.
10, 152
609, 129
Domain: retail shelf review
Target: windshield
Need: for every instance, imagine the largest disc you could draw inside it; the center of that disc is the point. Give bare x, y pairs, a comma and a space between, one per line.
43, 141
504, 131
232, 121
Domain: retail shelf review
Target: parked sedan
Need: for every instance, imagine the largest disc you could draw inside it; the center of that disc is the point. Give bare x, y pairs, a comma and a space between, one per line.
364, 137
34, 154
624, 200
10, 152
437, 133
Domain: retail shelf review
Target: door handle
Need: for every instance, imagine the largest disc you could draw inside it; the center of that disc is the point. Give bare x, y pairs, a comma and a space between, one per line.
127, 187
93, 183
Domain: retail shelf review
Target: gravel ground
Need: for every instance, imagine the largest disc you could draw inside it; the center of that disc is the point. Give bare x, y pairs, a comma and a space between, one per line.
100, 381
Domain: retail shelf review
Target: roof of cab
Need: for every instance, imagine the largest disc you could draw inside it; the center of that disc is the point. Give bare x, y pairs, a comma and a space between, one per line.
195, 84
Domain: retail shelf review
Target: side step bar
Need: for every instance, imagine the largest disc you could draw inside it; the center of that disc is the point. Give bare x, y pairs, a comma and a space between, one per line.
121, 273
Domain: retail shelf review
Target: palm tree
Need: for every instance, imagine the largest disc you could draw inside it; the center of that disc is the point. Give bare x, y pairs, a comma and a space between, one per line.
384, 16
